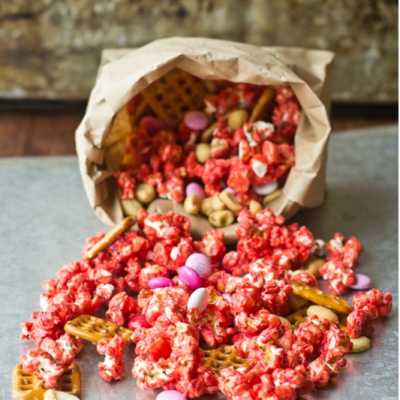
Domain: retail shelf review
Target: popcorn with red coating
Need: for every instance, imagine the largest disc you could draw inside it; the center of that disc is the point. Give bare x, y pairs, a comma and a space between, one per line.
360, 323
373, 301
122, 308
113, 367
214, 323
64, 349
42, 364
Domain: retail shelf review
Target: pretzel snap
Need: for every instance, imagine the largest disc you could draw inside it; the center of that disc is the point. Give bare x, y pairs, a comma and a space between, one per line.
27, 386
321, 298
110, 238
263, 109
94, 329
223, 356
298, 316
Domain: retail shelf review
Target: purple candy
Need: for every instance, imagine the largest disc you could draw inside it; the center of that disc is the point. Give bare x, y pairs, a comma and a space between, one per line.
170, 395
231, 191
195, 188
361, 282
189, 277
151, 124
160, 282
200, 263
196, 120
227, 297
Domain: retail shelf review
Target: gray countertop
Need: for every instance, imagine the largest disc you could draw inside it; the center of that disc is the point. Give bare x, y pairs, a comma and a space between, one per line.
45, 218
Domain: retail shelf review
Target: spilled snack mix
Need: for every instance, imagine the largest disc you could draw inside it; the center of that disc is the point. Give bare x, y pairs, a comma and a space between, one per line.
251, 322
209, 139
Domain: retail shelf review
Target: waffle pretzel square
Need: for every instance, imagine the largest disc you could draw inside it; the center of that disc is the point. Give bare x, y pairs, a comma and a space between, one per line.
27, 386
223, 356
94, 329
322, 298
175, 93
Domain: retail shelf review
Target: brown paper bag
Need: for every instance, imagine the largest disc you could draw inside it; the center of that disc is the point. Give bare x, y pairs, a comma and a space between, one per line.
125, 73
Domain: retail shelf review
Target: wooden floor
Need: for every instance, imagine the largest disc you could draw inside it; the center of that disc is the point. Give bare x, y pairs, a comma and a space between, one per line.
51, 132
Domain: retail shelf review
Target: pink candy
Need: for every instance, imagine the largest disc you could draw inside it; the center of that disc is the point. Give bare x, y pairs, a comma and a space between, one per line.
361, 282
200, 263
160, 282
189, 277
195, 188
151, 124
196, 120
227, 297
170, 395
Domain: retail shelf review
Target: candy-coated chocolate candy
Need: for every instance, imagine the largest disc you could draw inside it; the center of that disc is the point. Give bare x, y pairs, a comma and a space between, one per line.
151, 124
231, 191
227, 297
195, 188
170, 395
189, 277
160, 282
361, 282
196, 120
199, 299
266, 188
237, 118
139, 321
200, 263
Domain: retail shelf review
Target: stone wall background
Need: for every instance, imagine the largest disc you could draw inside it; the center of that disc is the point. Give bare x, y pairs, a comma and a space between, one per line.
50, 49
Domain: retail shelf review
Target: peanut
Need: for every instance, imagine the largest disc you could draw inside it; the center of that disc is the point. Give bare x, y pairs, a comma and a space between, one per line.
230, 201
323, 312
360, 344
52, 394
131, 207
237, 118
203, 152
255, 207
145, 193
313, 266
272, 196
221, 218
297, 302
206, 207
217, 203
192, 204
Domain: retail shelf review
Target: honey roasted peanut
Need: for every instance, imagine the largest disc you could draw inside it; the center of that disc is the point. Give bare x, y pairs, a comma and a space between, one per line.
192, 204
221, 218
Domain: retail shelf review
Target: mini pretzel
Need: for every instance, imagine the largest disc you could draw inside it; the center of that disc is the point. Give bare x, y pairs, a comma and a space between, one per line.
221, 357
319, 297
175, 93
27, 386
298, 315
263, 109
110, 237
94, 329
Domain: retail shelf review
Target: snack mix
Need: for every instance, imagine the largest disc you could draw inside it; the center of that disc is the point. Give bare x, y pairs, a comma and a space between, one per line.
250, 323
216, 146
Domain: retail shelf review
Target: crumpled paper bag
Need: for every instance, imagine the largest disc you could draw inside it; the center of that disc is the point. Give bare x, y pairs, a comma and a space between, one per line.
125, 73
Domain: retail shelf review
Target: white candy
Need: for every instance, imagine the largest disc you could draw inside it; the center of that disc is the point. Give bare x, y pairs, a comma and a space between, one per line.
199, 299
265, 189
